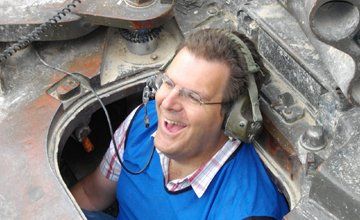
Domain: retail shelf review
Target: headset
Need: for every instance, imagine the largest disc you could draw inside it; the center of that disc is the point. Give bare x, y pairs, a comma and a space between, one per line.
244, 120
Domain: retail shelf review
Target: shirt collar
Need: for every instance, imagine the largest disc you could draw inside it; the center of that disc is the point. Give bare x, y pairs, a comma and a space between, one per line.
201, 178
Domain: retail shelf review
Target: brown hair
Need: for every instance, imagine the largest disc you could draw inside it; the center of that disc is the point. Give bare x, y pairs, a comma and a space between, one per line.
215, 45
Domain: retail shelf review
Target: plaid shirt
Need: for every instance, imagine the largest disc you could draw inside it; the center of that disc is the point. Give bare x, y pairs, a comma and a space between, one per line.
199, 180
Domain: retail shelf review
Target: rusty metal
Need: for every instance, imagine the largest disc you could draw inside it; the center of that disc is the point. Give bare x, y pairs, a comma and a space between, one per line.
121, 14
65, 89
275, 156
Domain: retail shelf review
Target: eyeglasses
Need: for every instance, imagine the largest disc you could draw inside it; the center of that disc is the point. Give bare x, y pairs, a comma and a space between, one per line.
163, 81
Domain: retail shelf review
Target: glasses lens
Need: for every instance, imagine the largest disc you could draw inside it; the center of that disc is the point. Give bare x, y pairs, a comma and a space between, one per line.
168, 82
191, 96
188, 96
158, 81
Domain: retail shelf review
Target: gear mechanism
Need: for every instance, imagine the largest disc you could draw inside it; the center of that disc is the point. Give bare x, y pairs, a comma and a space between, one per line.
140, 36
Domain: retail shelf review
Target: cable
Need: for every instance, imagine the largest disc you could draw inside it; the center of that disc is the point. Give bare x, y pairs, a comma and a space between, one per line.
25, 41
88, 86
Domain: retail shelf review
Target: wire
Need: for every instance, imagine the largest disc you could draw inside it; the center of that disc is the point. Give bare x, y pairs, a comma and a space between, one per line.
88, 86
25, 41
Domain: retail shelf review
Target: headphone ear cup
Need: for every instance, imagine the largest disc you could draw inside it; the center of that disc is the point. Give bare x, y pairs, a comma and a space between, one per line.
239, 123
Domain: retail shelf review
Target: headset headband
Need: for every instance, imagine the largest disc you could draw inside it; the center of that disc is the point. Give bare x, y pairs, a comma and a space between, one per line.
241, 48
252, 68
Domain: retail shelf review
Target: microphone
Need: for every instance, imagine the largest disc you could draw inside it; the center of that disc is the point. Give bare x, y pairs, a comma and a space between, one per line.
145, 99
148, 93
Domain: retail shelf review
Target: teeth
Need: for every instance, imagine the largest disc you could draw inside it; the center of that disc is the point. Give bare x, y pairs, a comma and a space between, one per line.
174, 122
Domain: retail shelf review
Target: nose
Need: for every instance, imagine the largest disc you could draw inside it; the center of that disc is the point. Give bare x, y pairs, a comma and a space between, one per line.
170, 100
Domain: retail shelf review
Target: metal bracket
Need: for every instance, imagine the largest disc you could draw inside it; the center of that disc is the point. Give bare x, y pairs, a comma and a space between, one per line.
68, 89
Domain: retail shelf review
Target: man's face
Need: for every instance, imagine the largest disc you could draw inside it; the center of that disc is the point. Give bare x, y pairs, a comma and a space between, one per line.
188, 131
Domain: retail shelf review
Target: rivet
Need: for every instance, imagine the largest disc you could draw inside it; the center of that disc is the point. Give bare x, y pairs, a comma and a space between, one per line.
154, 56
242, 124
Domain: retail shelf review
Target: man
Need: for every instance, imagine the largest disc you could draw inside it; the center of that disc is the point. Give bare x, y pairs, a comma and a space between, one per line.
196, 172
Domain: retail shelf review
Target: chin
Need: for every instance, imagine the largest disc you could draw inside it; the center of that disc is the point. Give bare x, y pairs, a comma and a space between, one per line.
166, 147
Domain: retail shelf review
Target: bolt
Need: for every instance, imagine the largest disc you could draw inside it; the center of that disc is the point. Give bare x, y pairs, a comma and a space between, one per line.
285, 98
154, 56
212, 11
242, 124
313, 139
291, 114
287, 111
71, 83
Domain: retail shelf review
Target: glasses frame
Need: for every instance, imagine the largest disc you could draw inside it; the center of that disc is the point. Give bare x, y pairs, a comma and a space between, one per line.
162, 78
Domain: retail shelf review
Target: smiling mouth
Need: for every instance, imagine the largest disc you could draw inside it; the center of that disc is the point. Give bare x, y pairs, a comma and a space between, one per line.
173, 126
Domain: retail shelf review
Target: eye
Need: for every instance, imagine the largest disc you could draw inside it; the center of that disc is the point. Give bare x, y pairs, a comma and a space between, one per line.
194, 97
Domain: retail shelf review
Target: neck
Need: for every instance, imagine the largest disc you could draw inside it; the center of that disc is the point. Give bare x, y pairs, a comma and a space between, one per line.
178, 170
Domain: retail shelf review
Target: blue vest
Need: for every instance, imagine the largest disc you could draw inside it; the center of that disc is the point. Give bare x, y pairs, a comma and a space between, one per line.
239, 190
